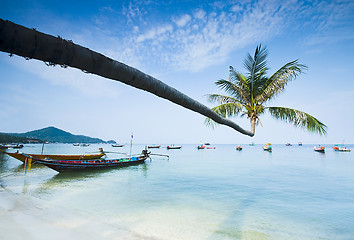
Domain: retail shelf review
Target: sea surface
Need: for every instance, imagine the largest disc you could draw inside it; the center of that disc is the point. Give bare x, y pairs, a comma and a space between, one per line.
290, 193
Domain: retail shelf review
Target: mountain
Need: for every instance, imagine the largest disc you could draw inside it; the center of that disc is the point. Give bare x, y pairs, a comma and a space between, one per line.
52, 134
7, 138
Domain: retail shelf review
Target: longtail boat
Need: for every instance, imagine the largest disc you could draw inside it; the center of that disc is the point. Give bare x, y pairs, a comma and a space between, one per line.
22, 156
174, 147
75, 165
117, 145
154, 146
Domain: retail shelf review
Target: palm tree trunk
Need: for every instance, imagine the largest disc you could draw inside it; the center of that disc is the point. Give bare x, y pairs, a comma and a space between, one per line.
29, 43
253, 125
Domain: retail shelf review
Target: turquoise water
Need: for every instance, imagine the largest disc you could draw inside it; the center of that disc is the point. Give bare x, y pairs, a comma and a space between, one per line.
290, 193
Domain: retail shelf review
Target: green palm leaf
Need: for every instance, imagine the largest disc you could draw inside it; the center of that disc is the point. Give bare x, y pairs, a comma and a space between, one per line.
299, 119
221, 99
277, 82
233, 89
226, 110
257, 64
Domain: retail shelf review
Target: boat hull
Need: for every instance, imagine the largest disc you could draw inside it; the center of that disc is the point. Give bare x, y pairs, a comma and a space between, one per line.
23, 157
78, 165
179, 147
269, 149
154, 146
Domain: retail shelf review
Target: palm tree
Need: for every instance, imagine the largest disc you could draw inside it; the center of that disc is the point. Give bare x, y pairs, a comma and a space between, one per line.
29, 43
250, 93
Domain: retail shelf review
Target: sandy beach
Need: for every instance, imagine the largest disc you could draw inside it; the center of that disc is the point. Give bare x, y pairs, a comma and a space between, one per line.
22, 218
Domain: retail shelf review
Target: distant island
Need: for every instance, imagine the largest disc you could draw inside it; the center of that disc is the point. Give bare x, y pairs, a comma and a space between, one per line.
50, 135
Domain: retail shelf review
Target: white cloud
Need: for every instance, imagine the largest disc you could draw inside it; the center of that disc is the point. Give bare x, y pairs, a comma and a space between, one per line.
182, 21
207, 38
155, 32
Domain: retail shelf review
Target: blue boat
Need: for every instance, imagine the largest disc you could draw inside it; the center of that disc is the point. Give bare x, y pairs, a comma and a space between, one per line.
74, 165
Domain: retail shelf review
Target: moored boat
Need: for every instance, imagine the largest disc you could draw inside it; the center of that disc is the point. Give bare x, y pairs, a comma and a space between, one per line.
288, 144
174, 147
22, 156
319, 149
340, 148
117, 145
201, 146
267, 147
154, 146
75, 165
11, 146
239, 148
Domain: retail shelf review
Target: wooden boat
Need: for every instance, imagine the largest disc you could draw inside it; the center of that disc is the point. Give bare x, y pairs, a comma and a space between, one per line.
201, 147
154, 146
288, 144
75, 165
11, 146
22, 156
117, 145
76, 144
319, 149
174, 147
239, 148
267, 147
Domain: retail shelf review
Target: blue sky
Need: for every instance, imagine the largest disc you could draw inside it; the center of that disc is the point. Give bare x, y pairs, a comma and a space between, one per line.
188, 45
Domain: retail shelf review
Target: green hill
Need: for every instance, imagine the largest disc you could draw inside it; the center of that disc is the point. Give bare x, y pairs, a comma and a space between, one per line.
7, 138
52, 134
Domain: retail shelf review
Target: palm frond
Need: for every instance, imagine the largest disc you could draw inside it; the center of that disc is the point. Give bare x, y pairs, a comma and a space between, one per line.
221, 99
299, 119
256, 64
277, 82
233, 89
225, 110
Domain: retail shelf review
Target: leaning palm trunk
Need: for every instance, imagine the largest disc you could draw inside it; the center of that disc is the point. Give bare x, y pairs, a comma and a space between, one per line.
29, 43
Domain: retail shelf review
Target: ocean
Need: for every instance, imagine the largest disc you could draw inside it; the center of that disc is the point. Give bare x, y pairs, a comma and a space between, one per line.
292, 192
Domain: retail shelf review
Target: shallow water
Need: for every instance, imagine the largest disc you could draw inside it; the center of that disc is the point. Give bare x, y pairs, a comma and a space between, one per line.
291, 193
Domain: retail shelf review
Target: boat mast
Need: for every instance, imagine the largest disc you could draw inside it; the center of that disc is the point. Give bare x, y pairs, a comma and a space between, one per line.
131, 145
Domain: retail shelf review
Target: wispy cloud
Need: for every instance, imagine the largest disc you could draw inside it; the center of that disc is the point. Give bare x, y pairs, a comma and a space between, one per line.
182, 21
326, 21
198, 39
87, 84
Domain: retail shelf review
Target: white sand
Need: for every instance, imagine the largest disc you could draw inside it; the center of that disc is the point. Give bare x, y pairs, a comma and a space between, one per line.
21, 218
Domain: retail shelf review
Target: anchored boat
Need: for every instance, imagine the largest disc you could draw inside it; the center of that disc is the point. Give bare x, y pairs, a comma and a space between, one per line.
22, 156
74, 165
